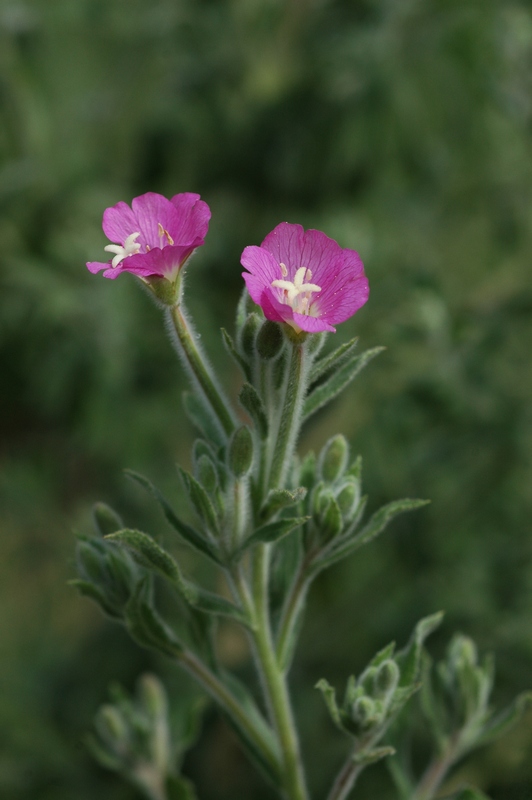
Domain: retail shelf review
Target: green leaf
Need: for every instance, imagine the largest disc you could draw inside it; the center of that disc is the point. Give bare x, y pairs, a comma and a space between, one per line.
338, 380
145, 625
180, 789
281, 498
271, 532
251, 401
372, 755
326, 365
203, 418
88, 589
200, 500
409, 659
233, 352
329, 695
502, 722
150, 554
377, 523
189, 534
106, 520
470, 793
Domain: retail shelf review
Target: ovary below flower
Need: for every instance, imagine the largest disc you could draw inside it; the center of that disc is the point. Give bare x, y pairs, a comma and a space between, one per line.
304, 278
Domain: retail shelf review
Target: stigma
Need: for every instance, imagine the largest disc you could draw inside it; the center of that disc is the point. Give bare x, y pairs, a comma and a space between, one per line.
297, 293
130, 248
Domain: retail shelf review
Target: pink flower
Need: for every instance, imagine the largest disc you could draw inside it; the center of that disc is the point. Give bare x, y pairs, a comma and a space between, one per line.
155, 236
304, 278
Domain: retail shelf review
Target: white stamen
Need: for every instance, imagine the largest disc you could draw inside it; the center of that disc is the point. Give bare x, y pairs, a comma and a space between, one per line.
130, 248
297, 293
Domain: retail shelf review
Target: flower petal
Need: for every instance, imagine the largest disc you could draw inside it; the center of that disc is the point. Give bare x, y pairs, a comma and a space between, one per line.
119, 222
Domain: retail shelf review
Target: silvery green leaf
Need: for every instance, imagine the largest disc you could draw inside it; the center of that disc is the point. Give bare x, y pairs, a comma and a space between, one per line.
233, 352
203, 418
189, 534
89, 589
251, 401
200, 500
326, 365
271, 532
281, 498
145, 625
409, 659
506, 719
337, 381
329, 695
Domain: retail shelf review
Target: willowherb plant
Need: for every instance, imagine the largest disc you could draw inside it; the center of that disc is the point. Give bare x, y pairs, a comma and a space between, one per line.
270, 522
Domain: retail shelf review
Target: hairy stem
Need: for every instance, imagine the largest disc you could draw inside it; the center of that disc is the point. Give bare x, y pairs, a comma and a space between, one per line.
292, 609
435, 773
250, 732
290, 416
200, 370
273, 680
345, 780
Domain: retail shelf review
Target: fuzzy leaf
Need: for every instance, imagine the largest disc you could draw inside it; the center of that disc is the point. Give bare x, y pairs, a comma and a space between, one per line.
271, 532
89, 589
152, 555
200, 500
373, 755
233, 352
145, 625
409, 659
203, 418
251, 401
329, 695
324, 366
281, 498
189, 534
377, 523
339, 379
506, 719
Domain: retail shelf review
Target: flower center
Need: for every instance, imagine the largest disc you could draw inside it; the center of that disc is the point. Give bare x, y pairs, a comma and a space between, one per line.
297, 293
130, 248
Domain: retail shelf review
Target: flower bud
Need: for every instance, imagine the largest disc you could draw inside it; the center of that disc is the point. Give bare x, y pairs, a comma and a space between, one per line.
153, 696
331, 522
105, 519
364, 712
386, 679
348, 499
333, 458
241, 452
270, 340
206, 473
112, 727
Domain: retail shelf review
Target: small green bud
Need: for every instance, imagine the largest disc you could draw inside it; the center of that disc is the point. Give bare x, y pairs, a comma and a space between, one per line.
307, 471
331, 523
90, 561
364, 712
463, 652
105, 519
386, 679
333, 458
249, 333
112, 727
348, 499
241, 452
153, 696
270, 340
206, 474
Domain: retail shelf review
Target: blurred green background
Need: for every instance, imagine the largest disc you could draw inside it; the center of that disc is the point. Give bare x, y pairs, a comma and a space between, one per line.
402, 128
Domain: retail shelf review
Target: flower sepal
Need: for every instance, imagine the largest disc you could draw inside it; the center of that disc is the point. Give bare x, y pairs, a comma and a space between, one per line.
164, 291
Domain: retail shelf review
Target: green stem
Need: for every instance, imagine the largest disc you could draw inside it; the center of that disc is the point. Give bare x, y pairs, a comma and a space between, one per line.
435, 774
345, 780
290, 417
274, 684
292, 609
200, 370
251, 733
